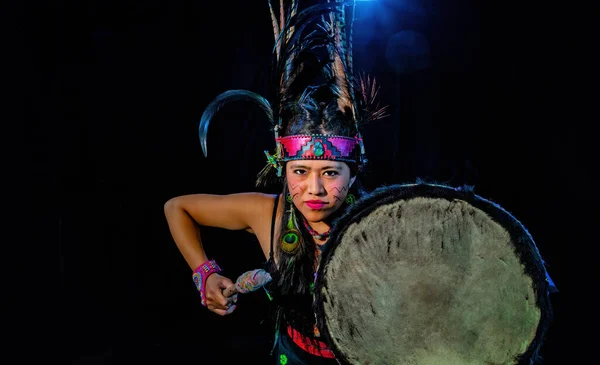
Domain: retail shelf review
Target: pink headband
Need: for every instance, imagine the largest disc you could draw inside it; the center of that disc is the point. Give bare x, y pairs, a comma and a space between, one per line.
319, 147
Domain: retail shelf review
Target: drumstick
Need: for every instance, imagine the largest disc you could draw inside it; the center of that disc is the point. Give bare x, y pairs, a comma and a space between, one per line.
248, 282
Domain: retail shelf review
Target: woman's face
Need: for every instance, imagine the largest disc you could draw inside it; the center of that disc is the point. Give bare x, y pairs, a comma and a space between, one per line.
318, 187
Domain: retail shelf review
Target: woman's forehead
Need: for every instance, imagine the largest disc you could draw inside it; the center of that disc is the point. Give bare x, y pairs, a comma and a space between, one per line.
316, 164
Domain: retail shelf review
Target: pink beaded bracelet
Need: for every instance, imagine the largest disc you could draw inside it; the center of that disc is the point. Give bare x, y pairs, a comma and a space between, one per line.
200, 275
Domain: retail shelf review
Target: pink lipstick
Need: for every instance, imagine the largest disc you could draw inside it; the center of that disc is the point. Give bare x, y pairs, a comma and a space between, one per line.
316, 204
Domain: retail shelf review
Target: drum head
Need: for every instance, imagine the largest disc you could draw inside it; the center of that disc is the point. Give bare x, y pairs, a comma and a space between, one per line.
428, 274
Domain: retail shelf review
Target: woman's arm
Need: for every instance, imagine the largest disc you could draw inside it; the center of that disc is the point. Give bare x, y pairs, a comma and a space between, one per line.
186, 213
234, 212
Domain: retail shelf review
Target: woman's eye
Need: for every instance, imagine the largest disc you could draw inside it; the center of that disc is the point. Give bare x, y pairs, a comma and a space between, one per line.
331, 173
299, 172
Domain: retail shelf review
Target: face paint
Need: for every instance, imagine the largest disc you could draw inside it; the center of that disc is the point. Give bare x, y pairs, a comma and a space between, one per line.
318, 187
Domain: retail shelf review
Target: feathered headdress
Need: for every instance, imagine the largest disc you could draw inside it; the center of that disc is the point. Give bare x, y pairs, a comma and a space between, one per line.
312, 52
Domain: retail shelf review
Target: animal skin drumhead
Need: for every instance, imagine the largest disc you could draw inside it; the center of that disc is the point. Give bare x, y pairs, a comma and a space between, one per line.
431, 275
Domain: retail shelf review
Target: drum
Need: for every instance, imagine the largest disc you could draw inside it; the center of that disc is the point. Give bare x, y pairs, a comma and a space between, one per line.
426, 274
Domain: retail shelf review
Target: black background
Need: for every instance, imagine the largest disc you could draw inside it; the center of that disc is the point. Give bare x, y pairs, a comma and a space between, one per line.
113, 94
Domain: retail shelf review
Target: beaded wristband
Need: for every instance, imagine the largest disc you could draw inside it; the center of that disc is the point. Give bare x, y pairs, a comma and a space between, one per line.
200, 275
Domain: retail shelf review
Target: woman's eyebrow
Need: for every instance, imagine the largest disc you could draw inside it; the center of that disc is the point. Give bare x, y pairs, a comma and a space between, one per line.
326, 167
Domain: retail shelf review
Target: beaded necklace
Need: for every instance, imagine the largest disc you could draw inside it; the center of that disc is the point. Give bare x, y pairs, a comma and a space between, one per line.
315, 234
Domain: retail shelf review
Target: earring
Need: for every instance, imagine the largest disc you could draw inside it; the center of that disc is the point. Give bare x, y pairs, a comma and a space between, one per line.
291, 240
288, 198
350, 198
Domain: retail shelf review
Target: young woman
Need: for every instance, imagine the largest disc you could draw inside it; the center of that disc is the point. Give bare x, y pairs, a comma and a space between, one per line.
291, 228
318, 109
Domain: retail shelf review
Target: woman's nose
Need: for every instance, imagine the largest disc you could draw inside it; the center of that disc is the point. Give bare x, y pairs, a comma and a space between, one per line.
315, 185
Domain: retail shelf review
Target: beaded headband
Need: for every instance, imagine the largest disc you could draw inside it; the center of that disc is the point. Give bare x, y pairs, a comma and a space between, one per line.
317, 147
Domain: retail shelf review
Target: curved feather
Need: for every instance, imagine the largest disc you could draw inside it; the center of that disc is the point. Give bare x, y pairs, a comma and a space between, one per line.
225, 98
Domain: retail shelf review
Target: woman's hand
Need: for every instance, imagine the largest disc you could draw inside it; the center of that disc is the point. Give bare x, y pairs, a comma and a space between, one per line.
215, 300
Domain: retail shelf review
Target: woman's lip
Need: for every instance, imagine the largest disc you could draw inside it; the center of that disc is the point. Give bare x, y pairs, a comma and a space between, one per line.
316, 205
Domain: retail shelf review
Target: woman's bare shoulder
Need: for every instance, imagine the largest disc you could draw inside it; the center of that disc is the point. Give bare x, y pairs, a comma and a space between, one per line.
257, 208
261, 206
263, 218
246, 210
254, 201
